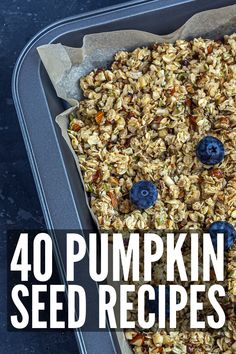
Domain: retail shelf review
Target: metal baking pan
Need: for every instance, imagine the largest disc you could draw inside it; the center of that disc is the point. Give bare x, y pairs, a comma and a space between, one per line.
59, 187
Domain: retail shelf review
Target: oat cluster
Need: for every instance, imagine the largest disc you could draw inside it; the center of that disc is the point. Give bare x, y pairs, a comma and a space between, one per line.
141, 120
182, 340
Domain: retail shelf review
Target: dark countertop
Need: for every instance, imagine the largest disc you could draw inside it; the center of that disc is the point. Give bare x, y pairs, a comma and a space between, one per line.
19, 204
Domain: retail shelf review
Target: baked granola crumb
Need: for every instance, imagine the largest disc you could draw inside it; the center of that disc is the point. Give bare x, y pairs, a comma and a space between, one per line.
141, 120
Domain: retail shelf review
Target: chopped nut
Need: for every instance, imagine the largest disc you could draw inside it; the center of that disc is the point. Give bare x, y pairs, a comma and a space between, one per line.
125, 206
172, 91
216, 172
222, 122
189, 88
114, 200
188, 101
210, 49
193, 120
99, 117
97, 176
75, 126
114, 181
138, 340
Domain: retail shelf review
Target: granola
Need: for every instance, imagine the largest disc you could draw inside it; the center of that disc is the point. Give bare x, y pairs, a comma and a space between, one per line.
141, 119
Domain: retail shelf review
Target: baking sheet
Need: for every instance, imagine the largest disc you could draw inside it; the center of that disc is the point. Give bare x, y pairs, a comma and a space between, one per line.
65, 65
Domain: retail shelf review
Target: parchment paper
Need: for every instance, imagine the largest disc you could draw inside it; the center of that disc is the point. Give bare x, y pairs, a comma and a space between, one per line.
65, 65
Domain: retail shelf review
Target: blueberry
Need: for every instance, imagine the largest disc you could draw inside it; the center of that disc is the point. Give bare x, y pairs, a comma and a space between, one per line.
143, 194
227, 229
152, 305
210, 150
